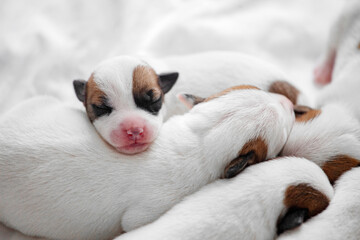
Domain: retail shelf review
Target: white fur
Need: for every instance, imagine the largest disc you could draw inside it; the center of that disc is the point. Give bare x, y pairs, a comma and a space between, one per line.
345, 40
206, 73
58, 179
246, 207
334, 132
341, 219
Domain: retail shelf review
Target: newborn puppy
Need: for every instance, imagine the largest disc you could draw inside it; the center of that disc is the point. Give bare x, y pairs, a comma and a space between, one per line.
345, 83
59, 180
329, 136
343, 50
341, 219
124, 97
248, 206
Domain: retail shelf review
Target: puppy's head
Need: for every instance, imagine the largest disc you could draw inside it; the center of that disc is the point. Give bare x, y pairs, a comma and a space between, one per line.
123, 99
241, 125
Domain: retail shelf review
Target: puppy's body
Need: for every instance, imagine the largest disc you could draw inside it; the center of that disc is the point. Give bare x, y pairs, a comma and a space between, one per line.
330, 137
341, 219
246, 207
344, 48
59, 179
207, 73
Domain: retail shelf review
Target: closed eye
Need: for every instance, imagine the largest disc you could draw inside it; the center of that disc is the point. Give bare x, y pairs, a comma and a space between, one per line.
101, 110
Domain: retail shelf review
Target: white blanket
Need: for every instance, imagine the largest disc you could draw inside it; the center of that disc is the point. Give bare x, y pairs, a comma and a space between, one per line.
44, 45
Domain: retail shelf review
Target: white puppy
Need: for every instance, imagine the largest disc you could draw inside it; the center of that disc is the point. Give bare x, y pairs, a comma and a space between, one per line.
59, 180
124, 97
341, 219
329, 136
246, 207
345, 80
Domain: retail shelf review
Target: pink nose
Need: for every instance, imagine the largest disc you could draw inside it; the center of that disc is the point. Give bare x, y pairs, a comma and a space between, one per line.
135, 133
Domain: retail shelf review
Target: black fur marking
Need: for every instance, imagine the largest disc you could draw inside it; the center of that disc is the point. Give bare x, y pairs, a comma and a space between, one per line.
103, 109
239, 164
292, 219
148, 103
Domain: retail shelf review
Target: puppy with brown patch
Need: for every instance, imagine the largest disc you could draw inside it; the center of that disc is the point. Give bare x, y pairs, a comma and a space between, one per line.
341, 219
61, 181
127, 101
329, 136
256, 204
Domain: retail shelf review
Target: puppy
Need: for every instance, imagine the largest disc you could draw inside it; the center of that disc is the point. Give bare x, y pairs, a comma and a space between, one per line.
281, 192
340, 220
329, 136
343, 47
127, 101
59, 180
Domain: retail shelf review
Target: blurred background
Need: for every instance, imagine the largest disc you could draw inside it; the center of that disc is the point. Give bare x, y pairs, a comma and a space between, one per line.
44, 45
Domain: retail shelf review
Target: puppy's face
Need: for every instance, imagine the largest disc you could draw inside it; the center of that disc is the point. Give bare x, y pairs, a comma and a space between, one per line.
242, 125
124, 100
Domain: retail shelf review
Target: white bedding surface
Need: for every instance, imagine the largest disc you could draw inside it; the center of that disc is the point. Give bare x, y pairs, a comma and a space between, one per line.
44, 45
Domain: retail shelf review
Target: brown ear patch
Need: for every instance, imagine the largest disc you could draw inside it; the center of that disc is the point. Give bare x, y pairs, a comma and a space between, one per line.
306, 116
305, 196
337, 165
286, 89
228, 90
144, 80
146, 90
253, 152
93, 95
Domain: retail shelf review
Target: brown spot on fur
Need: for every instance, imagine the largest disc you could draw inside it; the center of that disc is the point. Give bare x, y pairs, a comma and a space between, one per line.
305, 196
228, 90
286, 89
144, 80
308, 115
252, 152
337, 165
259, 147
358, 46
93, 95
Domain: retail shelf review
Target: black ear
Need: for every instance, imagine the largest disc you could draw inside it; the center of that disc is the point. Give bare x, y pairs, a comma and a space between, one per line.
167, 81
292, 219
79, 87
238, 164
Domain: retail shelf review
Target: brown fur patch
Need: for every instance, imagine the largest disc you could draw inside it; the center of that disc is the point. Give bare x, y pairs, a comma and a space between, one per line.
257, 145
307, 116
252, 152
337, 165
228, 90
93, 95
358, 46
144, 80
305, 196
286, 89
